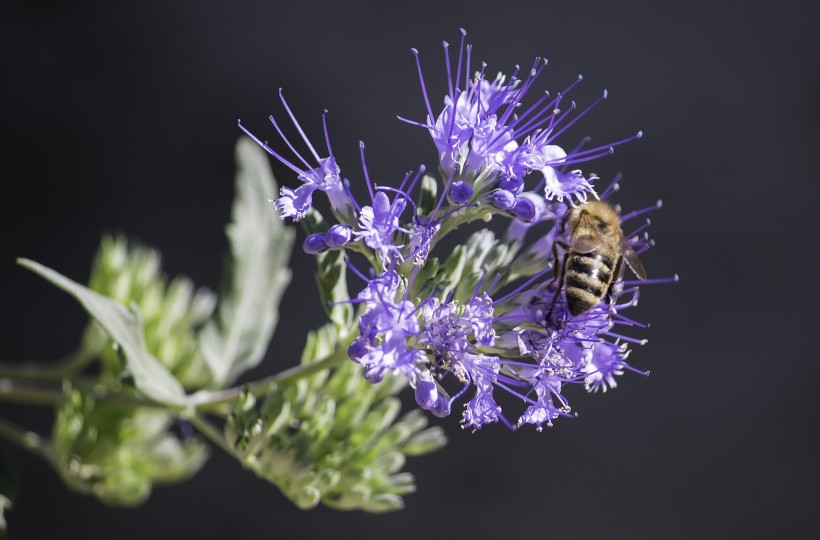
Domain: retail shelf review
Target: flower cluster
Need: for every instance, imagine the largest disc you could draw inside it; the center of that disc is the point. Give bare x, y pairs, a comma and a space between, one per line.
493, 314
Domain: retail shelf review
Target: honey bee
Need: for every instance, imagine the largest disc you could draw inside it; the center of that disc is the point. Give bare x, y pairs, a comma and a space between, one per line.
593, 260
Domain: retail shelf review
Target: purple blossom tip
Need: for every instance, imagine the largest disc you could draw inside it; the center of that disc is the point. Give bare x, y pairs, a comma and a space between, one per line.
461, 192
502, 199
314, 243
524, 209
338, 235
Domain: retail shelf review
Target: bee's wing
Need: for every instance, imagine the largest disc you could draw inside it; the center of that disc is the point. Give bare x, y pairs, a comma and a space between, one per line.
586, 237
631, 259
587, 244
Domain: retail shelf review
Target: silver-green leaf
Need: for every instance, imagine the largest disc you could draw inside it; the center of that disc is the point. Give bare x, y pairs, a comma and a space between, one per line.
237, 338
123, 325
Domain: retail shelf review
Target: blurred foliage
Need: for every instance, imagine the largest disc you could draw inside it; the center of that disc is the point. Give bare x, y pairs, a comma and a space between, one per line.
171, 310
155, 343
332, 437
117, 452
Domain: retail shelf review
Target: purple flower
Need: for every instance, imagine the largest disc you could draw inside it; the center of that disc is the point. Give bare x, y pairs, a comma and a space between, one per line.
549, 160
484, 131
544, 410
378, 225
482, 409
604, 361
479, 314
424, 231
294, 203
451, 330
515, 333
384, 329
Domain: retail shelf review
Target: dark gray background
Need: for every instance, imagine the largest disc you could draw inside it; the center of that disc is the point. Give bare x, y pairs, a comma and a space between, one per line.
123, 119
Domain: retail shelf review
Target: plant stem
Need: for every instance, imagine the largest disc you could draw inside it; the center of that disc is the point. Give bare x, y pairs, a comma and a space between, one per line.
17, 391
21, 392
210, 432
53, 371
204, 400
28, 440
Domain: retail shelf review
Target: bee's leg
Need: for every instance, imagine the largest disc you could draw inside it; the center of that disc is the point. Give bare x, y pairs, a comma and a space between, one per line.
555, 245
561, 280
617, 274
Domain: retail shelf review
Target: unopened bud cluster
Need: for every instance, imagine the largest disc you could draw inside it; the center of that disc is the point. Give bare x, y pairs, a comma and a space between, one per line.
332, 438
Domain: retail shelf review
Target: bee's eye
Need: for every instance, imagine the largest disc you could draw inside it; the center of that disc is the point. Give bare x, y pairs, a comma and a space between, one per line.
603, 227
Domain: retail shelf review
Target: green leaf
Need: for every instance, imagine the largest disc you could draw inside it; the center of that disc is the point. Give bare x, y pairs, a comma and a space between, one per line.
236, 340
427, 199
125, 328
332, 279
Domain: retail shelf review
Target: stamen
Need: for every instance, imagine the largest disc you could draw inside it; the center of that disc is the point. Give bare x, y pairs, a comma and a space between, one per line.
639, 230
399, 192
327, 136
423, 87
356, 271
421, 171
346, 185
460, 56
444, 192
520, 118
548, 109
307, 165
581, 115
523, 286
617, 318
631, 215
613, 186
530, 80
673, 279
460, 393
366, 175
298, 127
593, 153
645, 248
627, 338
270, 150
447, 68
414, 123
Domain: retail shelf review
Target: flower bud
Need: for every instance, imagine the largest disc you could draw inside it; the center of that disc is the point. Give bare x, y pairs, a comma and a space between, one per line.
529, 206
502, 199
314, 243
524, 209
337, 236
460, 192
426, 391
511, 184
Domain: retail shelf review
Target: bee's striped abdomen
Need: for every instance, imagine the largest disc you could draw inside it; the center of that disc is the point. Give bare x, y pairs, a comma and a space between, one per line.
588, 276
